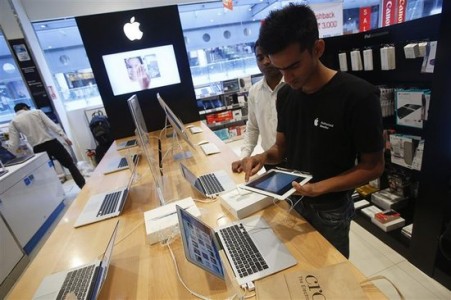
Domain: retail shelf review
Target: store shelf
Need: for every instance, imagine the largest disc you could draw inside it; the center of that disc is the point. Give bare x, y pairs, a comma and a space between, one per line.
219, 125
221, 108
394, 239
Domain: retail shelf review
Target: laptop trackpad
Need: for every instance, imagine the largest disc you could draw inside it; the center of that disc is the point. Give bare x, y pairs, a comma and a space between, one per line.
50, 286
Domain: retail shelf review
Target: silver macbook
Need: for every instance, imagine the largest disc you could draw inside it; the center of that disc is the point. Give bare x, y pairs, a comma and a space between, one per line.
83, 282
126, 144
211, 184
105, 205
250, 245
119, 164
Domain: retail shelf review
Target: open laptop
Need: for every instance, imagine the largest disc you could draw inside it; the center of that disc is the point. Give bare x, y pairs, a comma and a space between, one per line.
8, 159
105, 205
119, 164
126, 144
210, 184
250, 238
406, 110
90, 278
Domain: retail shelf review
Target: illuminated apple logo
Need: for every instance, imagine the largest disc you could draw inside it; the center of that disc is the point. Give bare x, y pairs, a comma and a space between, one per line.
315, 122
132, 30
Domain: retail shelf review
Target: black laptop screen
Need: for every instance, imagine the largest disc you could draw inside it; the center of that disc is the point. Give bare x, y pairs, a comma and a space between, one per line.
198, 242
5, 155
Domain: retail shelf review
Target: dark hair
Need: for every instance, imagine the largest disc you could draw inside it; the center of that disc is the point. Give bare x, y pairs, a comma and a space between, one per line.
295, 23
20, 106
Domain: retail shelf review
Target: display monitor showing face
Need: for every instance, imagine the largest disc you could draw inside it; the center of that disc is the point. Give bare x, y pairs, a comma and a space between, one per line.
138, 70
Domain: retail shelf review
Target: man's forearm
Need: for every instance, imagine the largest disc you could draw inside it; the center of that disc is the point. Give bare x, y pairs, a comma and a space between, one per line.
273, 155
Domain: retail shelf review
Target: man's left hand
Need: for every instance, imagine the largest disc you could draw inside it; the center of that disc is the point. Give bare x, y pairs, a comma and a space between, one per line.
308, 189
69, 142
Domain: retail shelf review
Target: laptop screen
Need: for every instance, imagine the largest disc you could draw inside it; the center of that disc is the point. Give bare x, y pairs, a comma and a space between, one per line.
199, 243
106, 261
5, 155
192, 179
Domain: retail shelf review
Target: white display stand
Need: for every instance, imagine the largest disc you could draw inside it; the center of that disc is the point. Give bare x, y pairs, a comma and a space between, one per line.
31, 197
10, 252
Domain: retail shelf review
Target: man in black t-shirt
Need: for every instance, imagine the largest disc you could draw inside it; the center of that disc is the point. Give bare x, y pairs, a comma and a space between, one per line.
330, 124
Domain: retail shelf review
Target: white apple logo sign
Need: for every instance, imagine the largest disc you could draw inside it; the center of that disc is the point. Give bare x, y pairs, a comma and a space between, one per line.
315, 122
132, 30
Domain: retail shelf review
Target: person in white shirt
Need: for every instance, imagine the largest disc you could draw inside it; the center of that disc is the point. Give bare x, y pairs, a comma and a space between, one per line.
262, 114
40, 133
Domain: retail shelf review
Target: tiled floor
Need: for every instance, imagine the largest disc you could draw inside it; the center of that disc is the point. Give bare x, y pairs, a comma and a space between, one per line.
372, 257
368, 254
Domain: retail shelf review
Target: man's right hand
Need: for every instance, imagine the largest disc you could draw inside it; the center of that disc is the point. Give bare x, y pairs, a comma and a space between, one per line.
236, 166
251, 165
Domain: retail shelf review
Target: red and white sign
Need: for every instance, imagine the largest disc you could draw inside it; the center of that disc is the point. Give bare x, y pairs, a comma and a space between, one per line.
402, 5
228, 4
329, 17
365, 19
388, 12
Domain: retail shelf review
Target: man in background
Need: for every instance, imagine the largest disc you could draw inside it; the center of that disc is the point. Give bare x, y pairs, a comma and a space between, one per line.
40, 133
261, 103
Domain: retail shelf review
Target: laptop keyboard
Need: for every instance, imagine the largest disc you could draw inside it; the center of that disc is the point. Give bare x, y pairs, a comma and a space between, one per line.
77, 282
211, 184
244, 254
109, 204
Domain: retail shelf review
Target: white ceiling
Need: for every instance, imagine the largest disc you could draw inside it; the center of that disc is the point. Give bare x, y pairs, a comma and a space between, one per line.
52, 9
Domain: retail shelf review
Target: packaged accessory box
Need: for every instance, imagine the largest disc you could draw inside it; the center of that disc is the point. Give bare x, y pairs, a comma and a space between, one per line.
412, 107
405, 151
387, 200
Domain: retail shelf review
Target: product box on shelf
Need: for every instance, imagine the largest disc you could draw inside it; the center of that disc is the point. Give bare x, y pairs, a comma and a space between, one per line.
370, 211
223, 134
387, 216
237, 114
407, 230
219, 117
399, 183
412, 107
404, 150
387, 200
361, 204
389, 226
237, 130
366, 190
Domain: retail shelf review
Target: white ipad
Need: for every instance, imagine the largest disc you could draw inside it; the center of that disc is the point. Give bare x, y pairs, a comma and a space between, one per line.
276, 183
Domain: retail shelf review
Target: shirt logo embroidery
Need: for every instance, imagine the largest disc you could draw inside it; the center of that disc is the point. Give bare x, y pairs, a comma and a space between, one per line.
322, 124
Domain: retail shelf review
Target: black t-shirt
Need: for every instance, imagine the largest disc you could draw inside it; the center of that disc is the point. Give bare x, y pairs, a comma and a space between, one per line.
325, 131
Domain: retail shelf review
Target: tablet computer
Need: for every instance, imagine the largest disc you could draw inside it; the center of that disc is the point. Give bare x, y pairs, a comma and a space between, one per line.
276, 183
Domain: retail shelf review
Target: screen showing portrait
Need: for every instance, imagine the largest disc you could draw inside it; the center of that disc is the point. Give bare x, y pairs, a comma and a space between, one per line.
143, 69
